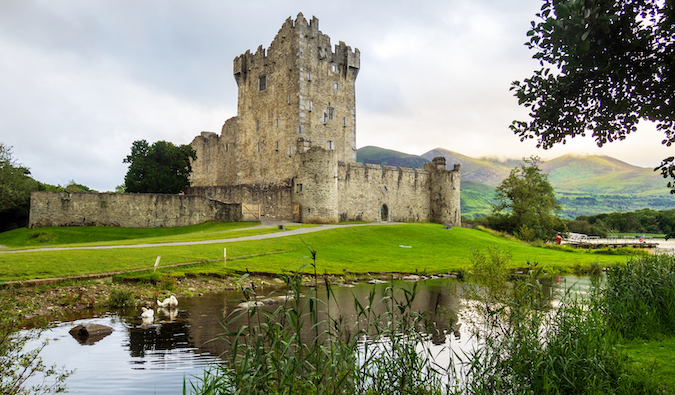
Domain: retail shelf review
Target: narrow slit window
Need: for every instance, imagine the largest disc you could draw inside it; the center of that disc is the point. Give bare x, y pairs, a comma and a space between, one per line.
301, 129
262, 83
298, 188
344, 121
330, 112
336, 86
330, 145
277, 149
257, 125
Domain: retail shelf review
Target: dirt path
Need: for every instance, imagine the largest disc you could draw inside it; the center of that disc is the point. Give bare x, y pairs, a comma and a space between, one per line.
294, 232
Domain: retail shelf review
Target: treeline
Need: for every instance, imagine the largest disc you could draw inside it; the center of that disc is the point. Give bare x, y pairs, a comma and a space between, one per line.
16, 185
641, 221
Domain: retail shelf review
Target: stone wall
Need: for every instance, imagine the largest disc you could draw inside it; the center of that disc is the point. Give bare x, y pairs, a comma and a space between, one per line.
133, 210
365, 189
275, 200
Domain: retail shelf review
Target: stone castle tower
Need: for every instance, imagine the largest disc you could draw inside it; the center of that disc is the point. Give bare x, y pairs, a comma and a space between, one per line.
297, 94
291, 149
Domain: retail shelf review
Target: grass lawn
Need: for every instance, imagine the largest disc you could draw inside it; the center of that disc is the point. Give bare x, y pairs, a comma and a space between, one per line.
657, 356
409, 247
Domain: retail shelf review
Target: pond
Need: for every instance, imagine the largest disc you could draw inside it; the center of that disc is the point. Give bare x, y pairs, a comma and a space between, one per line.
157, 358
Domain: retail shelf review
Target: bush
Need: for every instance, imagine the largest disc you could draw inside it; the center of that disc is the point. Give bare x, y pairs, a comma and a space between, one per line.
121, 298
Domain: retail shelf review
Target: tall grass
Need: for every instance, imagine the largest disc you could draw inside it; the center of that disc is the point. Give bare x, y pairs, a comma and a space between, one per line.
526, 346
303, 347
640, 297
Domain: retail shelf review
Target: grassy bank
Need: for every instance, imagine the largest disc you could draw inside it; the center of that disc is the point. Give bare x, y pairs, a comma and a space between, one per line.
414, 247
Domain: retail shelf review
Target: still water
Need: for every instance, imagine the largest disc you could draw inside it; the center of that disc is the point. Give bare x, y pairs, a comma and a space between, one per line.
158, 358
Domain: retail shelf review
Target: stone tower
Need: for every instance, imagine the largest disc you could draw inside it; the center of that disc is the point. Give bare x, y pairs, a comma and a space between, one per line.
297, 94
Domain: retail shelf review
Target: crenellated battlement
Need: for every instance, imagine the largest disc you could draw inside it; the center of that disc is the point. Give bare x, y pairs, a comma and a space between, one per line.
289, 39
375, 173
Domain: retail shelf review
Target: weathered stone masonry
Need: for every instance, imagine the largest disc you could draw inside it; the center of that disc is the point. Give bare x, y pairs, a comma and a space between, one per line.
292, 145
131, 210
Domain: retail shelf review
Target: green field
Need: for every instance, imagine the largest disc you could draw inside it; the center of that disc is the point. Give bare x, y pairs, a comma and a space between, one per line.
413, 247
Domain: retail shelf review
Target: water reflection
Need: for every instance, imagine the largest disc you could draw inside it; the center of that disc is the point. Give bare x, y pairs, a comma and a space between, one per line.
155, 358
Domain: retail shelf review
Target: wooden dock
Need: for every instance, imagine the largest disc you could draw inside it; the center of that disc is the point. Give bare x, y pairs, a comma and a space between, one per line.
612, 242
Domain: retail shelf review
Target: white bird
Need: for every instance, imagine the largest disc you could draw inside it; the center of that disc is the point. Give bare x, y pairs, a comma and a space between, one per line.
171, 302
147, 314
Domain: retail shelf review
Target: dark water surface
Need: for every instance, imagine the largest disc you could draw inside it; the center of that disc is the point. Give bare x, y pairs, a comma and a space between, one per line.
157, 358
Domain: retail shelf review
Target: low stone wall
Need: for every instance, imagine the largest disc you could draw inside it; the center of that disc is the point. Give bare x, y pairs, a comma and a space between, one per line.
132, 210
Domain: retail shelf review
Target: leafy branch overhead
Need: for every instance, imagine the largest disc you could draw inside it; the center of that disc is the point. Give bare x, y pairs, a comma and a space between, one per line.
605, 66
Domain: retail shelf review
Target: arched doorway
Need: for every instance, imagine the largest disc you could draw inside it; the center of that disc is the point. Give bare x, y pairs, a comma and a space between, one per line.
384, 213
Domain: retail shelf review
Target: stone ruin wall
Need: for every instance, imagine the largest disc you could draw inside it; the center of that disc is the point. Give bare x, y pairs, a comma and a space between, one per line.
132, 210
275, 201
364, 188
333, 191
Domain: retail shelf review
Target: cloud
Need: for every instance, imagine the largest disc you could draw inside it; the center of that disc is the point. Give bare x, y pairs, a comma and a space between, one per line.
82, 80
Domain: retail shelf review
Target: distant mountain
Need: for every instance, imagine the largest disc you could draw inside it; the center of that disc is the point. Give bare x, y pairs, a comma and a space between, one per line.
485, 171
584, 184
381, 156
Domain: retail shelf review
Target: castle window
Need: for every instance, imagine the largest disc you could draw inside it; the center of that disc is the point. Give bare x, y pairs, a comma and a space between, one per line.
259, 149
333, 68
330, 112
324, 119
309, 76
344, 121
330, 145
227, 147
257, 125
310, 105
290, 151
298, 188
301, 129
276, 122
336, 86
289, 99
262, 83
277, 149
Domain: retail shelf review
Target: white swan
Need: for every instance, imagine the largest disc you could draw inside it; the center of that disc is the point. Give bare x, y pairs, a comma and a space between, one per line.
147, 314
171, 302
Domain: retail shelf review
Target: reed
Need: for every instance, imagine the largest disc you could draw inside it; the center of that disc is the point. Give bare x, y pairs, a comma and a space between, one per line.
639, 299
527, 346
274, 352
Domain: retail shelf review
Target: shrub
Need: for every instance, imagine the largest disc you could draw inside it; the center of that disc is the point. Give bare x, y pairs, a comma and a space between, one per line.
121, 297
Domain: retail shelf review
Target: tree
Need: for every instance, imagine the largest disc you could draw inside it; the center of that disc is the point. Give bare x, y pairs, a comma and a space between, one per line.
605, 65
16, 186
159, 168
526, 205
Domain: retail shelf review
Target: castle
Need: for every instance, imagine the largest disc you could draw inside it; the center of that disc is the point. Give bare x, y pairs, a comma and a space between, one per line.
290, 153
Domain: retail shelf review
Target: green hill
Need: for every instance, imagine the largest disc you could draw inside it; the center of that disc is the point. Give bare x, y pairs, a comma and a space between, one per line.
584, 184
381, 156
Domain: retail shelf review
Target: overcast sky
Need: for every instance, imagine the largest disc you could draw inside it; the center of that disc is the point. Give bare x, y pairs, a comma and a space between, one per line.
80, 80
